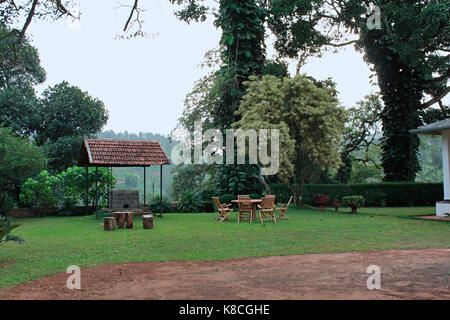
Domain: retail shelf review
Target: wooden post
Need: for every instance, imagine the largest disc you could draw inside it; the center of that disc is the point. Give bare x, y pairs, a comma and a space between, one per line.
111, 191
86, 202
109, 224
96, 193
145, 187
160, 191
148, 221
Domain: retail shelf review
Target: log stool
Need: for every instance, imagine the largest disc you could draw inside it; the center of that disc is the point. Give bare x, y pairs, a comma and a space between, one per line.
109, 224
148, 221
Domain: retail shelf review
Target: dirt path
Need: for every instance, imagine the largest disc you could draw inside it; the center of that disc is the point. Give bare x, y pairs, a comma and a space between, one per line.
406, 274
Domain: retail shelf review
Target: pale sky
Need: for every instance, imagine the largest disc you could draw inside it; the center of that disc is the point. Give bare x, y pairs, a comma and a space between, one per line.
143, 82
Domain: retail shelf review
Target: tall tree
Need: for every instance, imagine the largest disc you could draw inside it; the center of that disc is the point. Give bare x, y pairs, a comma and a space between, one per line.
20, 71
411, 46
309, 119
67, 115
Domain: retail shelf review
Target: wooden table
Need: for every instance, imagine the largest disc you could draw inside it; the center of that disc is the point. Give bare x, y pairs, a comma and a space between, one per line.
254, 203
125, 218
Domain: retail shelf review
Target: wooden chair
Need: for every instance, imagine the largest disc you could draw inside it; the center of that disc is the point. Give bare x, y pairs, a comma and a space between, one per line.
267, 209
243, 197
223, 209
245, 210
283, 208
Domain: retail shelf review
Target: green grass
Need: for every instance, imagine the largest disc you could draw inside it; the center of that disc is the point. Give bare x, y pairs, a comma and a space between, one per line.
54, 243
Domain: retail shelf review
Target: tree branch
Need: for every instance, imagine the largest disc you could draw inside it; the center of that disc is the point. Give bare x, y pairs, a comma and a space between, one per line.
436, 99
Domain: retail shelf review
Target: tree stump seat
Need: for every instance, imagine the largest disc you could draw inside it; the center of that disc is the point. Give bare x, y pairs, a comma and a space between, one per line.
147, 220
109, 223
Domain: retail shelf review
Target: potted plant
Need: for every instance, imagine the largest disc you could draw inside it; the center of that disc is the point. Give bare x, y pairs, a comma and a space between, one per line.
321, 200
354, 202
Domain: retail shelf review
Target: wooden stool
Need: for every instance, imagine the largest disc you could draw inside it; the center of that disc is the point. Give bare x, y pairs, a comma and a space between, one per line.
109, 224
148, 221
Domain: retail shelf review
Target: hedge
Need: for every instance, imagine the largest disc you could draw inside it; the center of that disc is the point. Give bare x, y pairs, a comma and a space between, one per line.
402, 194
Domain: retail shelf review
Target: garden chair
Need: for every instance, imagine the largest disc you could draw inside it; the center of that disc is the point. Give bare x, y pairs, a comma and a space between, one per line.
267, 209
245, 210
283, 208
223, 209
243, 197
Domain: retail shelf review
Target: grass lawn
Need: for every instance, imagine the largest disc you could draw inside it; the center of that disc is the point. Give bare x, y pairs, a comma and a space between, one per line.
55, 243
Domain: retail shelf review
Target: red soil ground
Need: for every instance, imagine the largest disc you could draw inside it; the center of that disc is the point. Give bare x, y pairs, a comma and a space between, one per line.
405, 274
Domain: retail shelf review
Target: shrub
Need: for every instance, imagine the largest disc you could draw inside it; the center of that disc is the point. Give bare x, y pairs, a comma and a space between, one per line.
190, 202
376, 194
227, 198
40, 192
5, 231
255, 196
155, 206
353, 201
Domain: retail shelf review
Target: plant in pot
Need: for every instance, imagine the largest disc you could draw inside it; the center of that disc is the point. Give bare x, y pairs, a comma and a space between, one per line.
354, 202
321, 200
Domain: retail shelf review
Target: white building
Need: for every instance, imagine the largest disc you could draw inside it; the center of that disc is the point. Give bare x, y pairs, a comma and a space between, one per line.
441, 128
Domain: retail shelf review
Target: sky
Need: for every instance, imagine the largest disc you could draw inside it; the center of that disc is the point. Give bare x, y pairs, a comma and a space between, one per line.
143, 81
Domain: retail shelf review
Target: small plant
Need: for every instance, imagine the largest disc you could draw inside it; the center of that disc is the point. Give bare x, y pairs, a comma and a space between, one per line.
155, 206
5, 231
321, 200
354, 202
190, 202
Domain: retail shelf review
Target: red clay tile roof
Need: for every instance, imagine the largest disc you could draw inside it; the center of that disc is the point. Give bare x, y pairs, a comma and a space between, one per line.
121, 153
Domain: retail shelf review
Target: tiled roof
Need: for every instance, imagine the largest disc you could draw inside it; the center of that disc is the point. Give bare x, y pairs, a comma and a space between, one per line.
121, 153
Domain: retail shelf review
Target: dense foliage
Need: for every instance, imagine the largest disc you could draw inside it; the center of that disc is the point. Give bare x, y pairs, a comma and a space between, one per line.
391, 194
309, 120
19, 160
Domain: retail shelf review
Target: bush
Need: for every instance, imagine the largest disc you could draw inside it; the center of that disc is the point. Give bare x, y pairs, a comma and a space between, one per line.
255, 196
190, 202
155, 206
40, 192
226, 198
401, 194
353, 201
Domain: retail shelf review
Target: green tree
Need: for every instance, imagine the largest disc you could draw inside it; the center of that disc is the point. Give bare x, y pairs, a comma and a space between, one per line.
40, 191
360, 133
309, 119
20, 70
19, 160
74, 185
67, 115
406, 53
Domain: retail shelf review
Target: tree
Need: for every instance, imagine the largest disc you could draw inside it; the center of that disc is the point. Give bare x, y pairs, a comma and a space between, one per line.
67, 115
20, 70
360, 133
22, 12
19, 160
309, 119
409, 54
